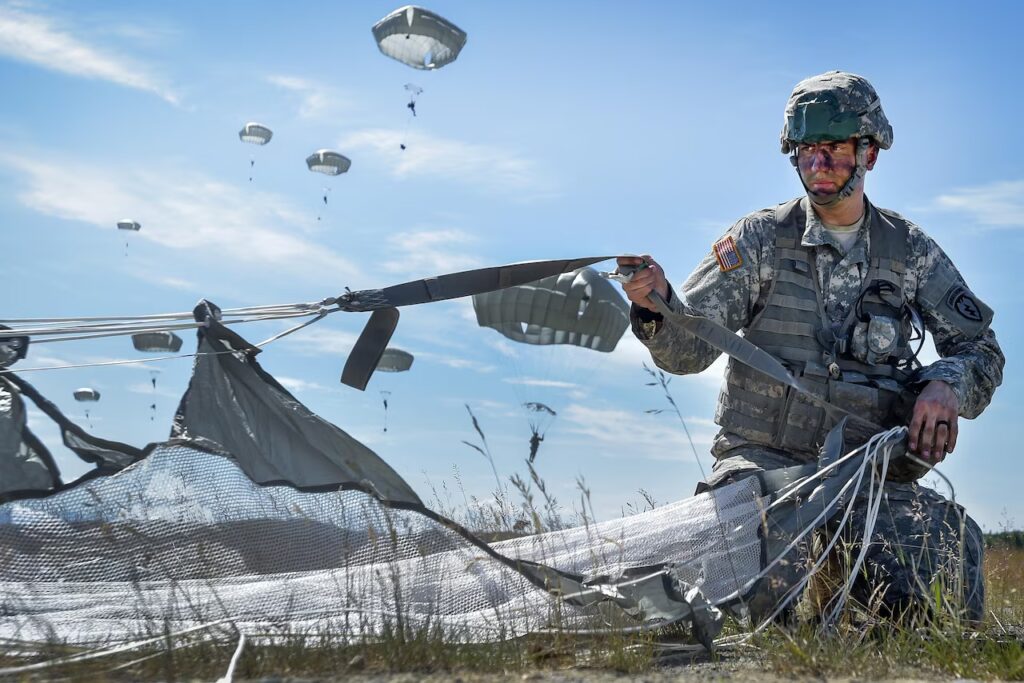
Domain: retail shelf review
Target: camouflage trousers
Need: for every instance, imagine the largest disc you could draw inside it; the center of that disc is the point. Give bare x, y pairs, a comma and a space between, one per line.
925, 552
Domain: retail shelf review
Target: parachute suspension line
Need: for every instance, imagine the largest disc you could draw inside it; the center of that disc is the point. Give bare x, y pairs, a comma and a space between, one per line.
138, 361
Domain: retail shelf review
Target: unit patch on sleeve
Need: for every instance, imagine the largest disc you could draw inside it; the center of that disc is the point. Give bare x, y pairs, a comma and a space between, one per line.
727, 255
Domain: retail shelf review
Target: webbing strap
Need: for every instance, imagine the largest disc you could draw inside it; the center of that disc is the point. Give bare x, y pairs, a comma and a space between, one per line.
735, 346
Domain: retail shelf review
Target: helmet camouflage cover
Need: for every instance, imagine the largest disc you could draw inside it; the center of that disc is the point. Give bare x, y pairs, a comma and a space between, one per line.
835, 105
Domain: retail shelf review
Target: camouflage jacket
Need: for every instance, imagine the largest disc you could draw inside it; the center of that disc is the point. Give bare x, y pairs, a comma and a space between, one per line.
971, 365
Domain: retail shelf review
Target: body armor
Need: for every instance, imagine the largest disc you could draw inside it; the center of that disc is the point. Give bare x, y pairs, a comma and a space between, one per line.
861, 364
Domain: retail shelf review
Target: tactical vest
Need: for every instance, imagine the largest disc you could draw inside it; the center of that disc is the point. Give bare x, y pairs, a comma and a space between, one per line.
795, 328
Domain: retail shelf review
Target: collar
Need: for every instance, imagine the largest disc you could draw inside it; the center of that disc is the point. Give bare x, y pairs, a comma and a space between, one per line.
815, 234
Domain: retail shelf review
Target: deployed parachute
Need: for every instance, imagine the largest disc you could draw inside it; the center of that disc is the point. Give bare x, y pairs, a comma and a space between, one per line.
392, 360
157, 342
254, 134
419, 38
129, 225
329, 163
579, 308
86, 395
395, 360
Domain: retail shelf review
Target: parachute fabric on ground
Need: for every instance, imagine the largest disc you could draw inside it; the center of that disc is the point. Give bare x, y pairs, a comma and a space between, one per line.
254, 134
419, 38
25, 463
185, 536
157, 342
24, 458
233, 402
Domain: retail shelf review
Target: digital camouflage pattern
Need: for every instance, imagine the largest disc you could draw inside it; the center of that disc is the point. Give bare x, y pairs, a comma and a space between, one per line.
915, 545
834, 100
921, 531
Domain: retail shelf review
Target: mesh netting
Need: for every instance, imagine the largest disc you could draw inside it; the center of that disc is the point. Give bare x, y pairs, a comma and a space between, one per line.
184, 537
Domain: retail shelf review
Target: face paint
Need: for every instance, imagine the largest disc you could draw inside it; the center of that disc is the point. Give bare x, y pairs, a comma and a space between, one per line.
825, 168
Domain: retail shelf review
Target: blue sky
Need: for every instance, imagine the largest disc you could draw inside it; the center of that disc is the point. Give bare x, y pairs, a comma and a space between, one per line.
562, 130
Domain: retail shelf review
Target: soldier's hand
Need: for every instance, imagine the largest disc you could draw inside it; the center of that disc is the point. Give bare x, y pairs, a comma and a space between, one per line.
644, 281
933, 428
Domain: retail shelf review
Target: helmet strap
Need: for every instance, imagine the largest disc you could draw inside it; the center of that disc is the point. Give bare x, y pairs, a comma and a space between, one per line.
850, 186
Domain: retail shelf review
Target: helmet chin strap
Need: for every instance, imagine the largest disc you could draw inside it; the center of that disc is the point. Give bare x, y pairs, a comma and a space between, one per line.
848, 188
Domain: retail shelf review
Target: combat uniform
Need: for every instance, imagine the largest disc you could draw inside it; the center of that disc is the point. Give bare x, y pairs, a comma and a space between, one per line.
765, 288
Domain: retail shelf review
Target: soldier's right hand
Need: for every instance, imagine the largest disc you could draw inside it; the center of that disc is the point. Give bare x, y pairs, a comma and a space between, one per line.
646, 280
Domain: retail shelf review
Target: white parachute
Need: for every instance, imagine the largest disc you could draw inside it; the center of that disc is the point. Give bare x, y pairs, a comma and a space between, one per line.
419, 38
254, 134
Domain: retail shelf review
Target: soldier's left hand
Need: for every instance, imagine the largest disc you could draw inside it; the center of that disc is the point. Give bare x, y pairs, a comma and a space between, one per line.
933, 428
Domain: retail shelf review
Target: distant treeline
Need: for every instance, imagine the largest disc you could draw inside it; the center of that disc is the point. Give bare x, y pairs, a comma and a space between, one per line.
1005, 539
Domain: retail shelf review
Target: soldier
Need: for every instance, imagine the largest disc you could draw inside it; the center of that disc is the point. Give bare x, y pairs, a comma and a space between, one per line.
840, 290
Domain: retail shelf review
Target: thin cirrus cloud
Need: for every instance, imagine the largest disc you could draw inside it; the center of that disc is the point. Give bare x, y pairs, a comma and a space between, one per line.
186, 211
995, 205
491, 169
316, 101
38, 40
427, 252
614, 432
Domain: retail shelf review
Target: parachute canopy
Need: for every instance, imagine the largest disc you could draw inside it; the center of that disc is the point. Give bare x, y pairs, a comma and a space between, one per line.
539, 408
255, 133
128, 224
327, 162
419, 38
579, 308
85, 394
395, 360
157, 342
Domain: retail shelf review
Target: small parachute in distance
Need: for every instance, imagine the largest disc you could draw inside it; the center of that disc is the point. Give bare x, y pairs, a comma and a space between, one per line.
254, 134
329, 163
86, 395
129, 225
156, 342
579, 308
539, 408
394, 360
419, 38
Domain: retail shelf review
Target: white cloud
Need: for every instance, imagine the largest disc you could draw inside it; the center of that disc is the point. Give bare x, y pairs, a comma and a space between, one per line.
321, 340
38, 40
537, 382
998, 205
491, 169
179, 210
299, 386
316, 100
429, 252
635, 435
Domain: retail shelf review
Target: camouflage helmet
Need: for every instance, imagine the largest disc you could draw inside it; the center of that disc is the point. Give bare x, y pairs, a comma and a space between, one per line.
835, 105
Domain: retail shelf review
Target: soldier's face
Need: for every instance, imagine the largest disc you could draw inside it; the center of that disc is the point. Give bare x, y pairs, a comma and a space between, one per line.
826, 166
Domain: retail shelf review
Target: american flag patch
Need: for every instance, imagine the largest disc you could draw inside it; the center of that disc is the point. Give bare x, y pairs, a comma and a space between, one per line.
727, 255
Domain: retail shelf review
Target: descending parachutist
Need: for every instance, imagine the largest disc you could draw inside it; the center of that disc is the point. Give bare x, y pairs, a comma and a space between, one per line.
535, 440
384, 396
412, 106
402, 145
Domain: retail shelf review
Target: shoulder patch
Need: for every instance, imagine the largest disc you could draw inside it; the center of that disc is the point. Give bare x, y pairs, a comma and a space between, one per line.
727, 255
960, 300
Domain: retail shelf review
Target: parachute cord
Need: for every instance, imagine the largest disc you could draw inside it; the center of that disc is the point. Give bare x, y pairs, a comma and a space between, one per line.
121, 331
183, 315
142, 361
230, 675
